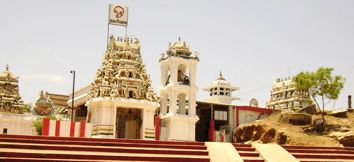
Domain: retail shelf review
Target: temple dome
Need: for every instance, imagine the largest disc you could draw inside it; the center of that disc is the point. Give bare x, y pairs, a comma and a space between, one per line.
221, 82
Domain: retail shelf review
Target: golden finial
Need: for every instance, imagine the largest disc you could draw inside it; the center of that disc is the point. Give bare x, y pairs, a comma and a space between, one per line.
7, 67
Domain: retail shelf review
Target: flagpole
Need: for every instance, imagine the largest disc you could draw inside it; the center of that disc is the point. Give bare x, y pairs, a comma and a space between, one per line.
109, 10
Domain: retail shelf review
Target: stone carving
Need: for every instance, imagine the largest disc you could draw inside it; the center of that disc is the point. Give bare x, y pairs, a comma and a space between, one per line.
10, 100
123, 73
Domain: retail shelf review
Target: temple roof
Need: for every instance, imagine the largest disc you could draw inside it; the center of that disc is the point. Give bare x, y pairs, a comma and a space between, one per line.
221, 82
7, 75
179, 49
122, 73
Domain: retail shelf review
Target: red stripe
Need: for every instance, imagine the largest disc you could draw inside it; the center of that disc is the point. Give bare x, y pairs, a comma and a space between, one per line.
237, 118
57, 128
82, 128
45, 127
255, 109
72, 129
157, 127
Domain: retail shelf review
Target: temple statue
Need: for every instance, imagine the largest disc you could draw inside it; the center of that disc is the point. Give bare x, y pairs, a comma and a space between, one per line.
10, 100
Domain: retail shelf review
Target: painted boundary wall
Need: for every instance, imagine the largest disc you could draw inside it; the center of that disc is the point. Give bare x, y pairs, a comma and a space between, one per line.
66, 129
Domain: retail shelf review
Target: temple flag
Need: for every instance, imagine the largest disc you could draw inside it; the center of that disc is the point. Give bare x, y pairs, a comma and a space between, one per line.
118, 15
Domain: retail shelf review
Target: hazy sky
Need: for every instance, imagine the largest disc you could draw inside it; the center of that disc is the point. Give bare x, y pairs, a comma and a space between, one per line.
252, 42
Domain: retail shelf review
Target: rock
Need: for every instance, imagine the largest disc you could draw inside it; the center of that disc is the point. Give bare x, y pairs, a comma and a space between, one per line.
295, 118
347, 141
319, 125
258, 132
312, 109
269, 135
339, 113
243, 133
281, 138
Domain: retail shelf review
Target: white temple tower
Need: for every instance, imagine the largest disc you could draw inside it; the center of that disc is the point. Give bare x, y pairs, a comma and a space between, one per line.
178, 93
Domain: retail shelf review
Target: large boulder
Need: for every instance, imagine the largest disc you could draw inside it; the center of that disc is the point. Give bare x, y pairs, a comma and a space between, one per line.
347, 141
312, 109
295, 118
339, 113
269, 135
281, 138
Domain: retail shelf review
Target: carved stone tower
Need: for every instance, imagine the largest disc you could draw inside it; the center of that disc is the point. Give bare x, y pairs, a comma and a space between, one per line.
10, 100
178, 93
122, 102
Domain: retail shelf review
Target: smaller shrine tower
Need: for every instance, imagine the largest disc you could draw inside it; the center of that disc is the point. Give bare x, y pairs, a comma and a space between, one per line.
221, 91
178, 93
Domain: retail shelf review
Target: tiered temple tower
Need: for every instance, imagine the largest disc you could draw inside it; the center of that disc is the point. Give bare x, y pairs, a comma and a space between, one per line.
285, 96
43, 105
220, 91
178, 93
122, 102
10, 100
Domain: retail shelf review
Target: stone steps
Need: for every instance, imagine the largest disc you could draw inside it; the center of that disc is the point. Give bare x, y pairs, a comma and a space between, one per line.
248, 153
38, 148
318, 153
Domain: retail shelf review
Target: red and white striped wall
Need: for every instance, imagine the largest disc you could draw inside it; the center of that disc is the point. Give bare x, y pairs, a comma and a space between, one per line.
66, 129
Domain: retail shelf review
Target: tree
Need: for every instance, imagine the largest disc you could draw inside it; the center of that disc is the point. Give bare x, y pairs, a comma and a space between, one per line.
320, 84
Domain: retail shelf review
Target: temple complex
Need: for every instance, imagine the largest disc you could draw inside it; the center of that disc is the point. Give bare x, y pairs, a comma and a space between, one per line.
10, 100
178, 92
121, 102
285, 96
220, 91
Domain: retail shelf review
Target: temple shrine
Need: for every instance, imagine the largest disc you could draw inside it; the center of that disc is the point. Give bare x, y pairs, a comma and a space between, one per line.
10, 100
285, 96
121, 102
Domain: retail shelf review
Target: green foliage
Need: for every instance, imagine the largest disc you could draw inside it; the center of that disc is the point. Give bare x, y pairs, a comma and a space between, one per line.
38, 124
26, 108
320, 83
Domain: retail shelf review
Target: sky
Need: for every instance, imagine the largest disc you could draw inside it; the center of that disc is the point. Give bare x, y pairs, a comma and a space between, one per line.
253, 42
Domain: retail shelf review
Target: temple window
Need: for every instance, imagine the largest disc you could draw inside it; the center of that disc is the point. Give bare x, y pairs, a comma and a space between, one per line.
130, 74
220, 115
222, 89
211, 94
131, 94
221, 93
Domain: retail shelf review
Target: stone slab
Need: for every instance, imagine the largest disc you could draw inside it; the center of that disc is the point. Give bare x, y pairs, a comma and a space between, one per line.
274, 153
222, 152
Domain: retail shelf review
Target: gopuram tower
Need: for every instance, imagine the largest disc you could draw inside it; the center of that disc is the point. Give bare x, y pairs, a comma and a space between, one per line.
178, 93
10, 100
122, 102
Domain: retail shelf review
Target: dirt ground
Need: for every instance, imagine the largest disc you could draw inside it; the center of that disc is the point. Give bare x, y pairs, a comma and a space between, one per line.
296, 135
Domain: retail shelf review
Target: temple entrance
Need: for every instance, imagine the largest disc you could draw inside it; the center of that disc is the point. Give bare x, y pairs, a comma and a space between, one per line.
128, 123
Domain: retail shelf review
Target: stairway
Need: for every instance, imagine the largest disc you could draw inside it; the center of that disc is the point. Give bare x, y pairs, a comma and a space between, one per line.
323, 154
248, 153
39, 148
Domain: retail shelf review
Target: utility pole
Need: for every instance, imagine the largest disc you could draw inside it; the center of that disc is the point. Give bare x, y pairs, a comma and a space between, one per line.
72, 96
